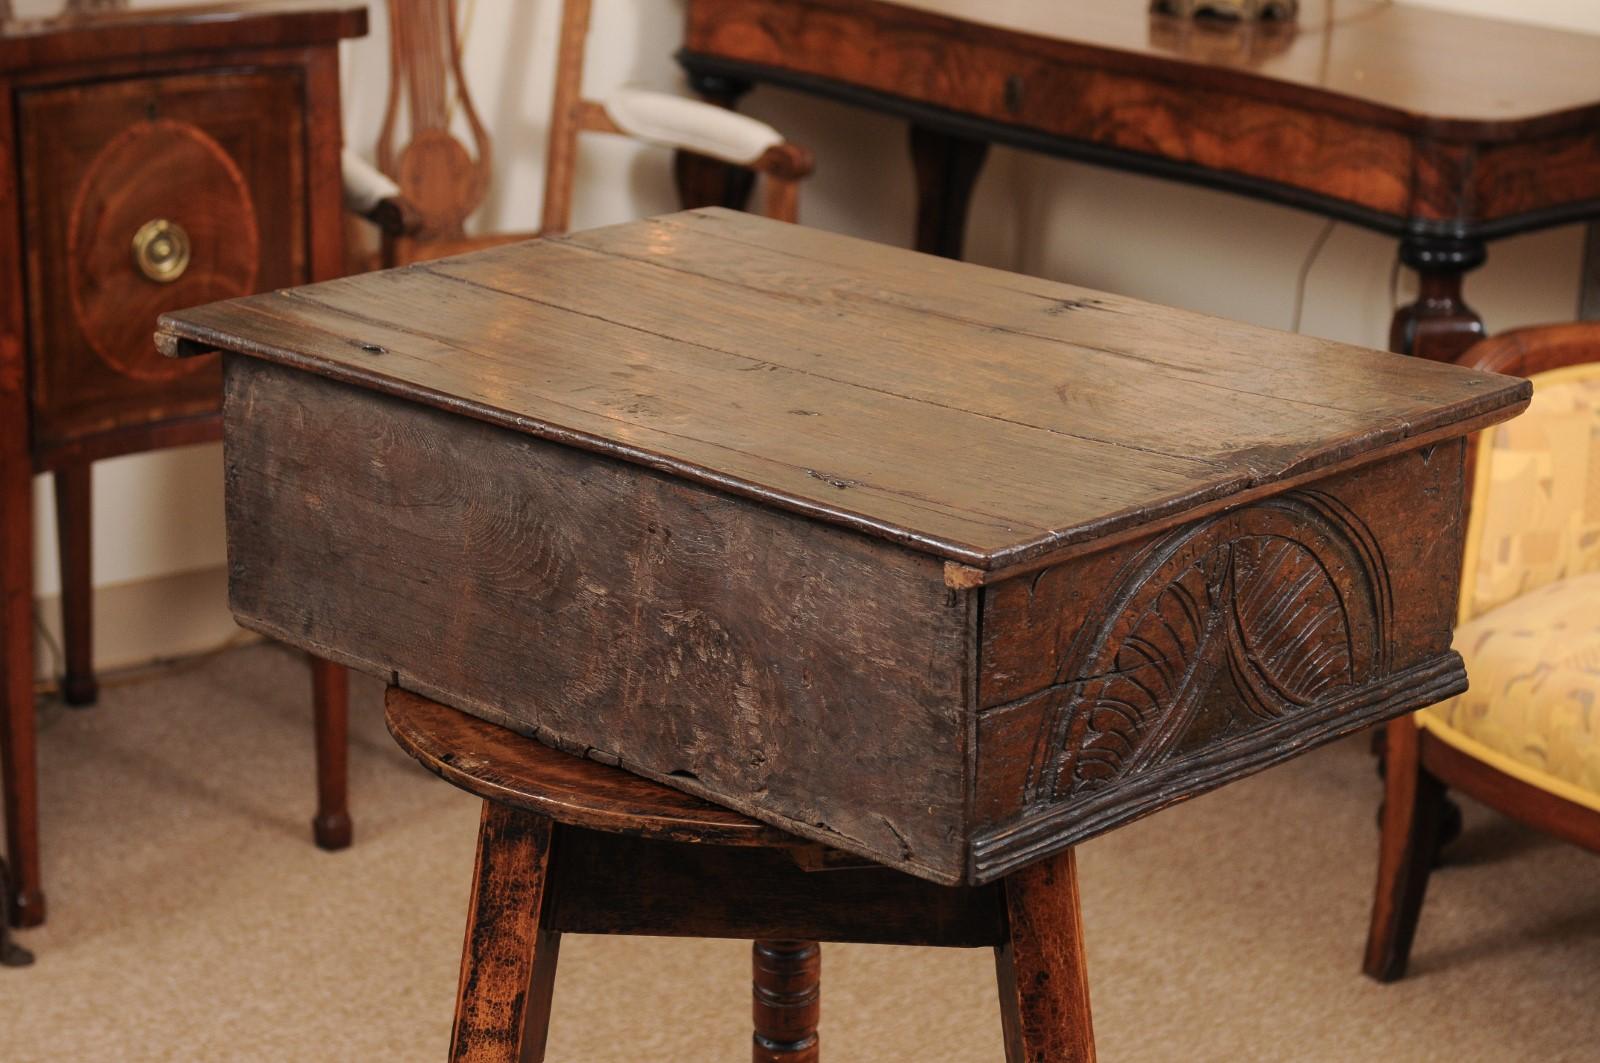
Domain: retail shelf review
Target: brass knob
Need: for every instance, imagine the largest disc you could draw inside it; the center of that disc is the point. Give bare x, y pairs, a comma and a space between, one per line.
161, 250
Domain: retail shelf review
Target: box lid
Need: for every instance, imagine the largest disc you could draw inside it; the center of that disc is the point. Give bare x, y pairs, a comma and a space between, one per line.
986, 418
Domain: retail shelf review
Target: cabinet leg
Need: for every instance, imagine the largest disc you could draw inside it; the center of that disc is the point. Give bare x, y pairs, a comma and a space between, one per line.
1413, 805
947, 169
1439, 325
330, 701
787, 984
1044, 983
74, 514
706, 182
18, 753
508, 964
11, 954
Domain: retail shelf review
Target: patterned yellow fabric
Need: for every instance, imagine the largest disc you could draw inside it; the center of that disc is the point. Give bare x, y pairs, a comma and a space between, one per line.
1534, 708
1536, 502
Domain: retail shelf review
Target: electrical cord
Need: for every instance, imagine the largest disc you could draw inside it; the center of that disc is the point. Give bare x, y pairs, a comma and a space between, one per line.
139, 673
1305, 272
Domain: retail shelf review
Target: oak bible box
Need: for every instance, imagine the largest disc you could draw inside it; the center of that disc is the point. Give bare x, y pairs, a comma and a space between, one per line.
938, 565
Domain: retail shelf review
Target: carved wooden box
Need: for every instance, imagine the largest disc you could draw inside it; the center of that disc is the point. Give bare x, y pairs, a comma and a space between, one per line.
939, 565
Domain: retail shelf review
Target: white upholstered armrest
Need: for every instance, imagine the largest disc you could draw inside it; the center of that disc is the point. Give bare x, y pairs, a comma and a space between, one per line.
365, 186
676, 122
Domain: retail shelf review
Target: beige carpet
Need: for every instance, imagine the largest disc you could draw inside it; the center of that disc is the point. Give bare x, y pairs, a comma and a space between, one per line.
191, 919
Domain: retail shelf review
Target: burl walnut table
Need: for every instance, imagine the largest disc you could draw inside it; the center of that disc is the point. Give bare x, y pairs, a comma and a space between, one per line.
154, 159
931, 563
1444, 130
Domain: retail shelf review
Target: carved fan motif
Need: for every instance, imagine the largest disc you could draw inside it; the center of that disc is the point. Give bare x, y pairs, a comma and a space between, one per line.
1219, 629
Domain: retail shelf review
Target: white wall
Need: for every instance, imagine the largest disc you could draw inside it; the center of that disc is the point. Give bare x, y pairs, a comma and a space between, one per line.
161, 514
1563, 14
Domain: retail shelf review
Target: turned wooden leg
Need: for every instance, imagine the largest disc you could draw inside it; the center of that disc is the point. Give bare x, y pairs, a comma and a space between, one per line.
508, 964
1044, 982
1413, 804
1439, 325
706, 182
18, 755
74, 535
947, 169
330, 701
787, 986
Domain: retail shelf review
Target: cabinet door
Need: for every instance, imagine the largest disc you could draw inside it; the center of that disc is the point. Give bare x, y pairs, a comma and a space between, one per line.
144, 195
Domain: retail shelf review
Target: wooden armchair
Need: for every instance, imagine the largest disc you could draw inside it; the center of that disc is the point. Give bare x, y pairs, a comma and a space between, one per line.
1525, 739
421, 195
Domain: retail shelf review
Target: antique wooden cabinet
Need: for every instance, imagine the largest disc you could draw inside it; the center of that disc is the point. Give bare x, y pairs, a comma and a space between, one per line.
153, 160
935, 564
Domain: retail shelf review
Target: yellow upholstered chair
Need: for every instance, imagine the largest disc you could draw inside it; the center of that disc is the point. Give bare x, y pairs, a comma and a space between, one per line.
1525, 739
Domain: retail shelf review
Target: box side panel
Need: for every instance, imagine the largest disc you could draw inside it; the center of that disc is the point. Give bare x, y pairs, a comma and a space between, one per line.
1120, 682
796, 672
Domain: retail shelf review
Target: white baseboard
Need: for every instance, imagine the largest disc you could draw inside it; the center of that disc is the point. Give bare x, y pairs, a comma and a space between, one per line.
146, 620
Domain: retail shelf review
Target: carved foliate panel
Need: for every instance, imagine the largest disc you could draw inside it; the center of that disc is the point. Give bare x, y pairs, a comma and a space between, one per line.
1215, 631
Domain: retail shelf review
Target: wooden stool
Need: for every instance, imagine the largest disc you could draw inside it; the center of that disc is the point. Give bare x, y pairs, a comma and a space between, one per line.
568, 845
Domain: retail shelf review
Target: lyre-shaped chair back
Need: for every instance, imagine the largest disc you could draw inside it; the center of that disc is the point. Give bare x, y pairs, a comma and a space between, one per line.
440, 177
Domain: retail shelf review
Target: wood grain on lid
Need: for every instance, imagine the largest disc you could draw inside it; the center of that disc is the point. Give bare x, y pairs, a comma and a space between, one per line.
983, 417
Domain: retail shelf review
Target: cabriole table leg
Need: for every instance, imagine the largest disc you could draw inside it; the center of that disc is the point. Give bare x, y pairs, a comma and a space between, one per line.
947, 169
707, 182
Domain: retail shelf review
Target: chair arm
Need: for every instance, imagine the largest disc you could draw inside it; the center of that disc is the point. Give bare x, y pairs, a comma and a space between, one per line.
705, 129
372, 194
1537, 349
787, 160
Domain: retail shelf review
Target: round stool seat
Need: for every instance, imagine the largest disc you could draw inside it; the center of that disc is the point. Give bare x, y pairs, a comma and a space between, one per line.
503, 766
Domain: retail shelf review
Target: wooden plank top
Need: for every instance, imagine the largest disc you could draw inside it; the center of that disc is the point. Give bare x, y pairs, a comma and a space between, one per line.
986, 418
1447, 74
46, 33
